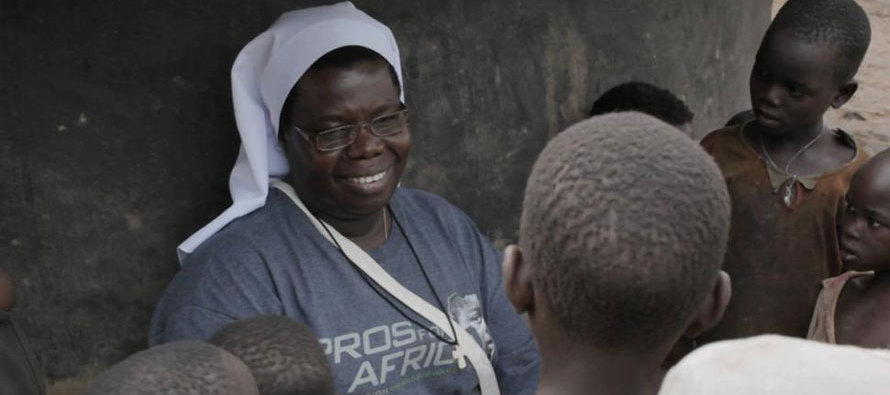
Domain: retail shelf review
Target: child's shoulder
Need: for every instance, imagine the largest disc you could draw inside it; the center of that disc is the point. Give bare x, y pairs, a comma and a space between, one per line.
846, 149
729, 136
728, 148
837, 157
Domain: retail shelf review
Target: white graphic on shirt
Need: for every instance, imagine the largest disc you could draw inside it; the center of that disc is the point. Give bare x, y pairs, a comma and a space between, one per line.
467, 311
385, 358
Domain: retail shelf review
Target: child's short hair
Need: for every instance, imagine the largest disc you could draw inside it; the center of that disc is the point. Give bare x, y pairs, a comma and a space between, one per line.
645, 98
625, 222
842, 23
179, 368
284, 355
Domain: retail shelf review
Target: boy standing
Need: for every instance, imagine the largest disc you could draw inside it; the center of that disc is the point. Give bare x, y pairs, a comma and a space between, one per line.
854, 308
623, 230
787, 171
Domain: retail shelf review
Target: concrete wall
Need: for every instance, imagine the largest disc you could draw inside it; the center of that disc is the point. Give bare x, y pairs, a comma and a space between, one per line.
117, 134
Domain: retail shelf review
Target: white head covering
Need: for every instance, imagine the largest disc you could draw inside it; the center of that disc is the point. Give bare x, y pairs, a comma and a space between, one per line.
777, 365
263, 75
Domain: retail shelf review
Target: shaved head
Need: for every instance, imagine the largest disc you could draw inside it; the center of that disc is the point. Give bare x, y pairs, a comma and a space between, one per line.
180, 368
625, 222
842, 24
284, 355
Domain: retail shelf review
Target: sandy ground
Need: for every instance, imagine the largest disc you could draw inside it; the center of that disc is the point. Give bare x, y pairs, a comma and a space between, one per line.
867, 115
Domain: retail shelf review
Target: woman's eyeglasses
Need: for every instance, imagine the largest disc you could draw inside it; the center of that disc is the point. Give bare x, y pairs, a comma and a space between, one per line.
339, 137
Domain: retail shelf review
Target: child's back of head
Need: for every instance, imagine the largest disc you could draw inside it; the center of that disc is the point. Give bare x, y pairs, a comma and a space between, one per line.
777, 365
648, 99
284, 355
623, 230
179, 368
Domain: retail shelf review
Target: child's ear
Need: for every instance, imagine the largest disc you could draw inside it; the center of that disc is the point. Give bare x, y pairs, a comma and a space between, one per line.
710, 312
518, 280
844, 94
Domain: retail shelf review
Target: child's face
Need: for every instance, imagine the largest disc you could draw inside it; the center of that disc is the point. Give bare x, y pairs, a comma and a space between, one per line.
792, 83
864, 235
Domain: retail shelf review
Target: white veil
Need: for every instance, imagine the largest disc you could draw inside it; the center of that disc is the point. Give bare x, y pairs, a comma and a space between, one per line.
262, 76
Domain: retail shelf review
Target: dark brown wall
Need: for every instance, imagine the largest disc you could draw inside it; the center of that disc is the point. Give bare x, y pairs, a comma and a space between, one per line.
117, 134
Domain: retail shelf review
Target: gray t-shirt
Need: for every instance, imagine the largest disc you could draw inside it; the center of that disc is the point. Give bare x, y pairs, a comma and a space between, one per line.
273, 261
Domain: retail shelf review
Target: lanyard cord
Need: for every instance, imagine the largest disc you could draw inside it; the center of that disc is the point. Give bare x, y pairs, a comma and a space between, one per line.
453, 340
426, 277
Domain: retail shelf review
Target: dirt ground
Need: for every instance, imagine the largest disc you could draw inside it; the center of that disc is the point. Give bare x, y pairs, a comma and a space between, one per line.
867, 115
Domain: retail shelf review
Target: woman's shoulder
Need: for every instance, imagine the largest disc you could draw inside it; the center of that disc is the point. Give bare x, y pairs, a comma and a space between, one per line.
262, 226
428, 209
423, 201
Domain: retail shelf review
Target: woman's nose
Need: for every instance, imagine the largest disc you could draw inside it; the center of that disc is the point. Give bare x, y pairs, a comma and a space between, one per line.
366, 144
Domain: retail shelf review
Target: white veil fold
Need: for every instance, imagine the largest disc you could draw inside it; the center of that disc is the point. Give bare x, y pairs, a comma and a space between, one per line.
263, 74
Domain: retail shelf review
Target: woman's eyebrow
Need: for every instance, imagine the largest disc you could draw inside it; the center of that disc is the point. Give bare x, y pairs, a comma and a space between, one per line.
389, 104
328, 119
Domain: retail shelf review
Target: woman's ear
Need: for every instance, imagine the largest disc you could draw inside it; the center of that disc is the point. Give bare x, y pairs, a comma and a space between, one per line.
518, 280
844, 94
710, 312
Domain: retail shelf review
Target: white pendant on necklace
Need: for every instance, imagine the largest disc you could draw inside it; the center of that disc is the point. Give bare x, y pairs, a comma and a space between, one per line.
789, 191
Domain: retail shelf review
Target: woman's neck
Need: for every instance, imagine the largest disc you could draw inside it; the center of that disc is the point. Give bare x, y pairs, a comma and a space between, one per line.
368, 232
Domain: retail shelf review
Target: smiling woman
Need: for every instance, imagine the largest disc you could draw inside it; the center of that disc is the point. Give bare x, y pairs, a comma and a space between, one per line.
385, 276
355, 141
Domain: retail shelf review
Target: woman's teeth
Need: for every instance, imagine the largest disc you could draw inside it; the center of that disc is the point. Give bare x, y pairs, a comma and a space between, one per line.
368, 179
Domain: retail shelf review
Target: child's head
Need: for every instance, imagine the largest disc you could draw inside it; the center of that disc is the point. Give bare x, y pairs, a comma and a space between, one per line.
648, 99
772, 364
624, 225
864, 234
180, 368
284, 355
807, 61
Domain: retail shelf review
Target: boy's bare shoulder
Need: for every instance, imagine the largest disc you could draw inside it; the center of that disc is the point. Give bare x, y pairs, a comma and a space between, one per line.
721, 138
